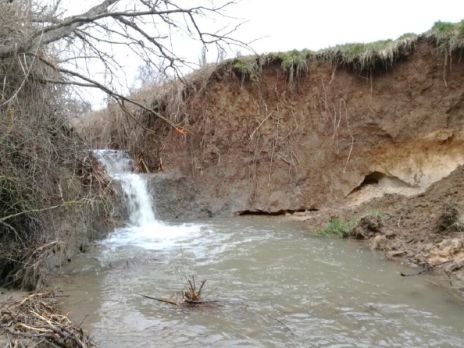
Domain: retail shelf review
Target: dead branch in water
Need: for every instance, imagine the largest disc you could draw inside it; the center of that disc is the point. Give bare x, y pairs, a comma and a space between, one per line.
192, 294
190, 297
34, 322
160, 300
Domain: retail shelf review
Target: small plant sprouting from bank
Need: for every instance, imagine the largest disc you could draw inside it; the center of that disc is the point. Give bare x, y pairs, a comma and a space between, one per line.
376, 213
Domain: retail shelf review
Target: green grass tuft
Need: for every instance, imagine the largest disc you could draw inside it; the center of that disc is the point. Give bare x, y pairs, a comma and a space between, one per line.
248, 67
449, 37
294, 63
369, 56
408, 36
443, 27
338, 228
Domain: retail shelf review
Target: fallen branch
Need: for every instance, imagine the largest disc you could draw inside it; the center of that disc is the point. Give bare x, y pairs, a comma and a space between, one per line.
190, 297
160, 300
34, 320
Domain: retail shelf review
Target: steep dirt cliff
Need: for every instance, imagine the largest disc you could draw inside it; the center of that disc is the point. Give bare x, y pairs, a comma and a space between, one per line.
336, 135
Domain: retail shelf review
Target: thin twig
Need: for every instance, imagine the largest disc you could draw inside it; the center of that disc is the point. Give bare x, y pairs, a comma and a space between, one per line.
160, 300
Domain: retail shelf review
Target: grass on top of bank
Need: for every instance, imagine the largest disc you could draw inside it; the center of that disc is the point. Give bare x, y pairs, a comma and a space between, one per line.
448, 38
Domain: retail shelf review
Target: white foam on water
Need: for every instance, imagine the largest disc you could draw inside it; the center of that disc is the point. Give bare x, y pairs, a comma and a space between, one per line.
153, 236
143, 229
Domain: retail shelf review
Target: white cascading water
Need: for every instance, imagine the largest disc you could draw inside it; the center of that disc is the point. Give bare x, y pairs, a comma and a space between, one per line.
142, 229
119, 166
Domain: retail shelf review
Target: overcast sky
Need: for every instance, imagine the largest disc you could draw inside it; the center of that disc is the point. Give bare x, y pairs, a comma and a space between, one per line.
289, 24
282, 25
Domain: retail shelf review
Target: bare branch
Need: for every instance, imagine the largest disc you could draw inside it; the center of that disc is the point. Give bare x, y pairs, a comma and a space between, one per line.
118, 97
146, 27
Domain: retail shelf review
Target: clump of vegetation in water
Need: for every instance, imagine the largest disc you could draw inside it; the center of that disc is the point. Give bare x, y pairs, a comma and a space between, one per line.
338, 228
191, 296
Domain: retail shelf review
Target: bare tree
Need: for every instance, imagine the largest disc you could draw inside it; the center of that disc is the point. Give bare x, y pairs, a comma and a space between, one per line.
146, 27
50, 188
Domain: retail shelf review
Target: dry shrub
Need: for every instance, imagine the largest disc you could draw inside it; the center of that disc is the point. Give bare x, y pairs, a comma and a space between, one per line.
132, 129
45, 169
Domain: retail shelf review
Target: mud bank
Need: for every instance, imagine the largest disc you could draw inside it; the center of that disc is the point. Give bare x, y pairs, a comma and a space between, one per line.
425, 230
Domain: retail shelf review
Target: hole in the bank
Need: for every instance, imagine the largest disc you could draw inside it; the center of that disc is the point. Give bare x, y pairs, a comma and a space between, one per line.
274, 213
370, 179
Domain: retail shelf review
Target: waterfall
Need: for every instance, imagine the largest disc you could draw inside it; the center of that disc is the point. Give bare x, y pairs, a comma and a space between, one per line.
119, 166
142, 229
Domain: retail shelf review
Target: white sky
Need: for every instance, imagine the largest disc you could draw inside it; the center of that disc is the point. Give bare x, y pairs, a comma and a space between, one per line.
316, 24
284, 25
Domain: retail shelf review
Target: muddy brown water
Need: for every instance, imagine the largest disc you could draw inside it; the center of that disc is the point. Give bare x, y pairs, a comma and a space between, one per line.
277, 285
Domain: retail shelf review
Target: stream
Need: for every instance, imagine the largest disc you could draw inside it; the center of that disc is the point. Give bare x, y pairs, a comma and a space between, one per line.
275, 283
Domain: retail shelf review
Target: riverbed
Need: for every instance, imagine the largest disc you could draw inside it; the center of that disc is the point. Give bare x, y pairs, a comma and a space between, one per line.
275, 283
